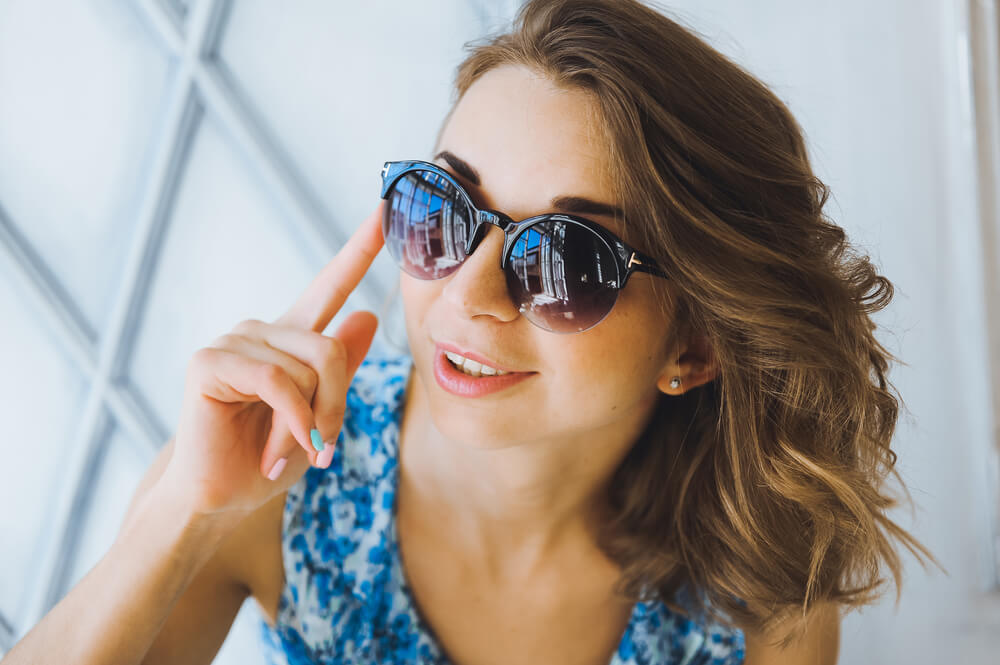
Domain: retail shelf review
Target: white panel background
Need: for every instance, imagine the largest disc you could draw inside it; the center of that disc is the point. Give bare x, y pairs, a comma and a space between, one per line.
169, 168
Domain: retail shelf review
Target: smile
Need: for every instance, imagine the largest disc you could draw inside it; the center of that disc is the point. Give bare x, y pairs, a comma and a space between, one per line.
465, 377
471, 367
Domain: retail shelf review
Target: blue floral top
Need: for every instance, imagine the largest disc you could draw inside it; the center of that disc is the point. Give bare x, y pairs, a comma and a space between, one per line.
346, 598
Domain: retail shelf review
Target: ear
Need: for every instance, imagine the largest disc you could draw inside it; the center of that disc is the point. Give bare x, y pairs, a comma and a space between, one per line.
695, 366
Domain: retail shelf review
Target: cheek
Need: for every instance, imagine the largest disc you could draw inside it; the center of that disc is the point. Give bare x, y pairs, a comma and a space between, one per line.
421, 301
625, 354
601, 372
417, 296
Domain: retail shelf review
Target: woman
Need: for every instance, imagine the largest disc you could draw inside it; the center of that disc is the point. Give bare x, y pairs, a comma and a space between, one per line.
649, 424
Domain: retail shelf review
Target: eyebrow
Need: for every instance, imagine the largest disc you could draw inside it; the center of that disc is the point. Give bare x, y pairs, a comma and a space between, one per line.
569, 204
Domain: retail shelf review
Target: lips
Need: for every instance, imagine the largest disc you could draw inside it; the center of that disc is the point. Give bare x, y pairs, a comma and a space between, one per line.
478, 357
456, 382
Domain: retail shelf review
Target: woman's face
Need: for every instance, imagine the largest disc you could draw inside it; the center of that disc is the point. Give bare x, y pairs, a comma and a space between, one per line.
530, 142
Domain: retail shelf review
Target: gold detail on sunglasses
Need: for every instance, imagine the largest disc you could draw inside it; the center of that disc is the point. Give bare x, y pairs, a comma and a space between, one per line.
634, 260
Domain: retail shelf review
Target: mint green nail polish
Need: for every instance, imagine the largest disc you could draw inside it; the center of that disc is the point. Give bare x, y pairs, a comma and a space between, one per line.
317, 440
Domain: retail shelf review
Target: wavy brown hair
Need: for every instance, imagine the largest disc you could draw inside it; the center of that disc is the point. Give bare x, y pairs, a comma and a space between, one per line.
764, 489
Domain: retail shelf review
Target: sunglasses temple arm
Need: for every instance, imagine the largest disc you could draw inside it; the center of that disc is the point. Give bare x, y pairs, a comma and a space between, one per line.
653, 270
642, 263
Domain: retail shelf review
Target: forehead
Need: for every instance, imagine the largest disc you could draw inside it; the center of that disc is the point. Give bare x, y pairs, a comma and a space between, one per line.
525, 135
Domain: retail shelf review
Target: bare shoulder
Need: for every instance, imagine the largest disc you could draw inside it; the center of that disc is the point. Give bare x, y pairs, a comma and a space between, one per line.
818, 643
252, 555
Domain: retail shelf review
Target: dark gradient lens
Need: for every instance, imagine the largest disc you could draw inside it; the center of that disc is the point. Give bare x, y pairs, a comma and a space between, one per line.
562, 276
426, 224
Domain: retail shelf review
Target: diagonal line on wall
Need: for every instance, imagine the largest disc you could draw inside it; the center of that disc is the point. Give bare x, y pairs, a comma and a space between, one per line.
7, 634
139, 424
82, 501
57, 306
320, 235
153, 221
163, 23
177, 12
183, 112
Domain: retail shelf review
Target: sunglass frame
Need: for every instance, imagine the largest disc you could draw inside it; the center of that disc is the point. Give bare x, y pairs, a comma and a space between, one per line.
627, 258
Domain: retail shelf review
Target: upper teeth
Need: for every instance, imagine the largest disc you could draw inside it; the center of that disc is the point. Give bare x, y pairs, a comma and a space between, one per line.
472, 367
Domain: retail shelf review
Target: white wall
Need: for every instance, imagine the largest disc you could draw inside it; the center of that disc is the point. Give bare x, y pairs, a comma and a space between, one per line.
167, 169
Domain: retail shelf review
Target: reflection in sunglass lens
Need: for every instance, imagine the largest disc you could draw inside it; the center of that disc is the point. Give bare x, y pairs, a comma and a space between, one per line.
426, 225
563, 276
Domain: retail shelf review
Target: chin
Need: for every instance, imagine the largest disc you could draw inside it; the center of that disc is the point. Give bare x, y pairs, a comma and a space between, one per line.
483, 429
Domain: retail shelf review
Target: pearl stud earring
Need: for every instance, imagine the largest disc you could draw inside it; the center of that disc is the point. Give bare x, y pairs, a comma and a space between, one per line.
675, 382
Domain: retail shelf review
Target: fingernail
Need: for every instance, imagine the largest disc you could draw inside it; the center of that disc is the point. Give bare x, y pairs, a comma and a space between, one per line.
324, 458
276, 470
317, 440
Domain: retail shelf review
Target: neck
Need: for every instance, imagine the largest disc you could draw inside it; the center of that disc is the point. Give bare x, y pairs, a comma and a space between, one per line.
513, 508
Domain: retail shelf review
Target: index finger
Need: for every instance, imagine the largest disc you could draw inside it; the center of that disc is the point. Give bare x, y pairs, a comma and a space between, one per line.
328, 291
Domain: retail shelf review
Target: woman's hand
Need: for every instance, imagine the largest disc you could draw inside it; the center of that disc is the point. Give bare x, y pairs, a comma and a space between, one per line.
252, 397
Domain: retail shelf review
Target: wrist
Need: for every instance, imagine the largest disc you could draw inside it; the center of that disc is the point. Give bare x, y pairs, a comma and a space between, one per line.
177, 516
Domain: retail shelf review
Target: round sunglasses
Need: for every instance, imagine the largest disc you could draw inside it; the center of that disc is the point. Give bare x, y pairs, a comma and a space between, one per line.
563, 272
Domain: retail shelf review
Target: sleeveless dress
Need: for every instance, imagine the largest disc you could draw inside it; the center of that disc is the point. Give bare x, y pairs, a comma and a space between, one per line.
346, 598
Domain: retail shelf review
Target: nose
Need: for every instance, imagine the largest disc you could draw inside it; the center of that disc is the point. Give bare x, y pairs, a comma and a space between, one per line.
479, 287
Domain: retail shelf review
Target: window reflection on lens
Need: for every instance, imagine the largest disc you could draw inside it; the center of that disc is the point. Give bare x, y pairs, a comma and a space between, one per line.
428, 225
563, 276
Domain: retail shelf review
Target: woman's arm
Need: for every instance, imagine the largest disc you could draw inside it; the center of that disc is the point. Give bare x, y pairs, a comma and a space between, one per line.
819, 644
257, 402
116, 611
